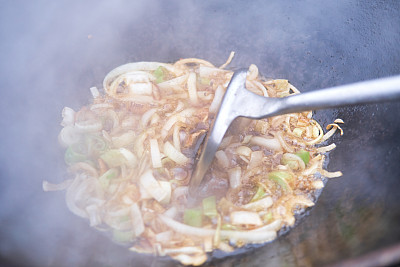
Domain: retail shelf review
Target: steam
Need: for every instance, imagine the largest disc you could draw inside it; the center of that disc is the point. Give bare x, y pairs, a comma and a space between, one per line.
53, 52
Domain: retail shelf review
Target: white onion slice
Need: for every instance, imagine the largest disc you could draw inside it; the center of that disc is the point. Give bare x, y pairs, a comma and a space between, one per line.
222, 158
219, 93
246, 218
152, 186
192, 88
171, 152
269, 143
235, 177
68, 115
137, 220
155, 154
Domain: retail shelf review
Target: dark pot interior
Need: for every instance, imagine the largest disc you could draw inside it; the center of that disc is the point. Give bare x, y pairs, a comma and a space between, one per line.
52, 52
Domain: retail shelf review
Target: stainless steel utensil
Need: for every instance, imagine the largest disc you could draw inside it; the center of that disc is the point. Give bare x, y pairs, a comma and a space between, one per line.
240, 102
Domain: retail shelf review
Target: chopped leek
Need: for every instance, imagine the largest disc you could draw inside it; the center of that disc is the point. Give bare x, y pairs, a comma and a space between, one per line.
282, 178
159, 73
74, 154
293, 164
123, 236
95, 144
210, 206
304, 155
267, 217
227, 226
193, 217
259, 194
205, 80
113, 158
104, 180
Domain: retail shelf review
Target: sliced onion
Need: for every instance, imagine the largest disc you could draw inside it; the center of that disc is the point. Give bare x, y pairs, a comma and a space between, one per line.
331, 174
244, 151
94, 91
152, 186
171, 152
174, 84
222, 158
56, 187
88, 126
166, 186
231, 55
68, 136
326, 148
269, 143
259, 205
171, 212
235, 177
141, 88
251, 236
255, 159
137, 220
125, 139
155, 154
192, 88
283, 143
219, 93
131, 159
245, 218
176, 138
94, 216
164, 237
68, 115
252, 73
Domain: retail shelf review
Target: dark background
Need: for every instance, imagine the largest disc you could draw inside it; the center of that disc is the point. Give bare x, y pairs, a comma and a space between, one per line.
52, 52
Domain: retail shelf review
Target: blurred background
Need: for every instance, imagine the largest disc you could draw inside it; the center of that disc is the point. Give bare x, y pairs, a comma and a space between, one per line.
52, 52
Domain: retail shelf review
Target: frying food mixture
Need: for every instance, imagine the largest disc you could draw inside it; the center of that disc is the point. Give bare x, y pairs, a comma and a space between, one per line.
131, 153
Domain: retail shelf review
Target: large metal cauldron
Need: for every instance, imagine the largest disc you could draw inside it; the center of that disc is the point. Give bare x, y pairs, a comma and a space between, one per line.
53, 51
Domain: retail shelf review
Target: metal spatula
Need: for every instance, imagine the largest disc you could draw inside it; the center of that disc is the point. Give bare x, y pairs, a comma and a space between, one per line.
239, 102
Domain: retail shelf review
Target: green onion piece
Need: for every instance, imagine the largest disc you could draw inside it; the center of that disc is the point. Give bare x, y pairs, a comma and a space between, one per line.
291, 163
124, 218
123, 236
281, 178
267, 217
227, 226
204, 80
159, 73
259, 194
113, 158
193, 217
304, 155
74, 154
95, 144
210, 206
104, 180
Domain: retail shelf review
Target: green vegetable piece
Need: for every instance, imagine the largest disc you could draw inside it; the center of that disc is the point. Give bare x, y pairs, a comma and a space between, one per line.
205, 81
304, 155
74, 154
95, 144
227, 226
113, 158
267, 217
123, 236
104, 180
210, 206
159, 73
281, 178
193, 217
291, 163
259, 194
